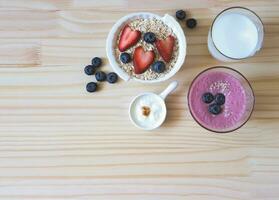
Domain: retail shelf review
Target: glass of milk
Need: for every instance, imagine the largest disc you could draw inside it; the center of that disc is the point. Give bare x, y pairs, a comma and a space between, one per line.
236, 33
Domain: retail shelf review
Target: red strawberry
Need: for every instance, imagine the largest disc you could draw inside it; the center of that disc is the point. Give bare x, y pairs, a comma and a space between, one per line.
165, 47
128, 38
142, 59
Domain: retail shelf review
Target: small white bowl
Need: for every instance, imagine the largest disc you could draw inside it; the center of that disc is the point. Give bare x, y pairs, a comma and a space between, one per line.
160, 100
115, 31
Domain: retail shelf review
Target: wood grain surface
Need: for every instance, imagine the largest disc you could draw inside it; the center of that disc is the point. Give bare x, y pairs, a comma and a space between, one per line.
59, 142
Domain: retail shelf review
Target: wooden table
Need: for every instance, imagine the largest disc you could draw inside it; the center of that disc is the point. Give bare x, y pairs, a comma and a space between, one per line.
59, 142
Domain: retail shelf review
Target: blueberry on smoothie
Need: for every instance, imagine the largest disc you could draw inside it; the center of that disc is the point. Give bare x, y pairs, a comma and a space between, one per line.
220, 99
214, 109
207, 97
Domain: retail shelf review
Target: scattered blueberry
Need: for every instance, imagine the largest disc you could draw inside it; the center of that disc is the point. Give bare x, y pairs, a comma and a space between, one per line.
158, 66
90, 70
191, 23
207, 97
214, 109
96, 62
149, 37
91, 87
112, 77
180, 14
125, 57
100, 76
220, 99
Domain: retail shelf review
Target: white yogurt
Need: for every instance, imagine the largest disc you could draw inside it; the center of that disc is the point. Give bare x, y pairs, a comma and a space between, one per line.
235, 35
148, 111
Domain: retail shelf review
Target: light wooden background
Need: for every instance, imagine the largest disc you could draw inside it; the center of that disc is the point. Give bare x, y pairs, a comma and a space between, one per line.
59, 142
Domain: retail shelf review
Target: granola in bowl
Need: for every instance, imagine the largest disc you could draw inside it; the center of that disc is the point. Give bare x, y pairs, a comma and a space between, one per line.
147, 48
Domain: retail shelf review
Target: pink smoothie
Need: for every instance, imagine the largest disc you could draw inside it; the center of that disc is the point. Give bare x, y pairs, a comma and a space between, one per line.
234, 109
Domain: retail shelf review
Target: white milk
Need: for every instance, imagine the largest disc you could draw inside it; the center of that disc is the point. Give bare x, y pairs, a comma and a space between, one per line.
235, 35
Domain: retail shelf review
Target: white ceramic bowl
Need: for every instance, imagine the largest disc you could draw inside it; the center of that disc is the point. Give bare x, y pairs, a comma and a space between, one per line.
160, 99
115, 31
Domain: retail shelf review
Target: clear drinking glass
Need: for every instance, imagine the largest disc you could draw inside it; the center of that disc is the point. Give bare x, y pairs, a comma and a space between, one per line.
238, 105
236, 33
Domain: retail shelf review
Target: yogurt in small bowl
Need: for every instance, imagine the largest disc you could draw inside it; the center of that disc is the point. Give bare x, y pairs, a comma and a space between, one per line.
148, 110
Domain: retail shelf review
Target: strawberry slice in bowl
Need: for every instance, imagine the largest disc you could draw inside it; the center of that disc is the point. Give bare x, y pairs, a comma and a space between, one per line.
142, 60
165, 47
128, 38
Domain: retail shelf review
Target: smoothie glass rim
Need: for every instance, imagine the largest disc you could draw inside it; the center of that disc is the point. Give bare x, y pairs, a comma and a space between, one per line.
228, 68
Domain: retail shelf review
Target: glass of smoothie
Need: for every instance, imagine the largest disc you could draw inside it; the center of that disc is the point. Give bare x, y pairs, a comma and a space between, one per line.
236, 33
221, 99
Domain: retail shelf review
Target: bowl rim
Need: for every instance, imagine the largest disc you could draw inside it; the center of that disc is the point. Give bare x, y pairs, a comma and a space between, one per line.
124, 75
162, 103
221, 67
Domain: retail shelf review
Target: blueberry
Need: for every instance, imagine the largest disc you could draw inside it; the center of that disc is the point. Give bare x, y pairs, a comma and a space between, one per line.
90, 70
220, 99
149, 37
112, 77
91, 87
207, 97
191, 23
180, 14
158, 66
214, 109
96, 62
125, 57
100, 76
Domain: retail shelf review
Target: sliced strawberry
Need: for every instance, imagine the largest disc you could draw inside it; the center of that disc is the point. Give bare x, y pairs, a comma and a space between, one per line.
128, 38
165, 47
142, 59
